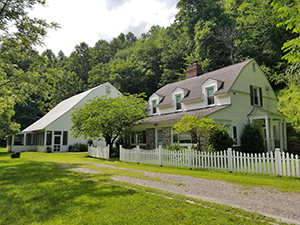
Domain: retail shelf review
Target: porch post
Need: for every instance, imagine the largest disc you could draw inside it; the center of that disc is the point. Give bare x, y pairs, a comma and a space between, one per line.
284, 135
25, 137
281, 134
272, 145
267, 133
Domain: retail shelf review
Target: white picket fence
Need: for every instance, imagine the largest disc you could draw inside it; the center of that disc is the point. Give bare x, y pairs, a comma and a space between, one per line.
98, 152
277, 162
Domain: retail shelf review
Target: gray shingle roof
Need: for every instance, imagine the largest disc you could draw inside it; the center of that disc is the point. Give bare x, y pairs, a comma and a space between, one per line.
227, 75
178, 115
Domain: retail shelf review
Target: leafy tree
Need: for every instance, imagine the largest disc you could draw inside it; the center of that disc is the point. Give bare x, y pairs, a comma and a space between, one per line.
66, 85
199, 129
102, 52
220, 138
18, 35
260, 37
251, 139
81, 61
107, 118
289, 11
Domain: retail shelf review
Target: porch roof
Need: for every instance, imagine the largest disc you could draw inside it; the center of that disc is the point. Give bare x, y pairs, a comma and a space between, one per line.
261, 113
178, 115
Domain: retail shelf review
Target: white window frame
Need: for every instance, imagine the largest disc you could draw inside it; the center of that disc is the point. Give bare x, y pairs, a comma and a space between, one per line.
135, 137
177, 103
256, 96
154, 107
206, 92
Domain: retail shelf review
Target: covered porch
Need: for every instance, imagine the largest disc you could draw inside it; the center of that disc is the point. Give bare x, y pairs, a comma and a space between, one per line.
273, 128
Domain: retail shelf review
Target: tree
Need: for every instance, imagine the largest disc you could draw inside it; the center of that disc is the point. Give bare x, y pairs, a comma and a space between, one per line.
289, 11
81, 61
18, 80
107, 117
66, 85
199, 129
251, 139
220, 138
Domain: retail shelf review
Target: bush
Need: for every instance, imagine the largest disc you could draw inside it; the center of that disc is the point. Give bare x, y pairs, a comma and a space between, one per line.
175, 147
78, 147
251, 139
220, 138
48, 149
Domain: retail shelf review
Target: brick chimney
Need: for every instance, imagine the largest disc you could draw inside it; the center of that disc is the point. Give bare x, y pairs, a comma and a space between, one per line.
193, 70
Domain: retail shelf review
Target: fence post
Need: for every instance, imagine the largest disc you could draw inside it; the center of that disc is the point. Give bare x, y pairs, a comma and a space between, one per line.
160, 156
108, 146
138, 154
229, 156
190, 157
278, 162
121, 153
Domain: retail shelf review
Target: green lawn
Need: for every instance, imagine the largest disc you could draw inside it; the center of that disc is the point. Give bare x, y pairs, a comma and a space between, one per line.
39, 188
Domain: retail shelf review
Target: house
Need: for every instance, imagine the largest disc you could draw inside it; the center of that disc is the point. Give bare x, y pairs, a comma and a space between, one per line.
52, 130
234, 95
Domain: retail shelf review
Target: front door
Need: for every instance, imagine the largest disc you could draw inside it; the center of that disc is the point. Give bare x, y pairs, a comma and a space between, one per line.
57, 143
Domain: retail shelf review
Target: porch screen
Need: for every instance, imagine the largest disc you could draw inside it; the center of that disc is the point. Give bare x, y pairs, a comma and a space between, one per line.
49, 138
65, 138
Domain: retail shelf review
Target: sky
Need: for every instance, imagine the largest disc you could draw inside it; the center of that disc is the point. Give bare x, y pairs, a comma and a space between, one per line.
91, 20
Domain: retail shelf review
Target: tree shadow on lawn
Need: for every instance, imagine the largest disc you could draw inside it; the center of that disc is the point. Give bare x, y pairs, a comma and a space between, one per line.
38, 192
5, 154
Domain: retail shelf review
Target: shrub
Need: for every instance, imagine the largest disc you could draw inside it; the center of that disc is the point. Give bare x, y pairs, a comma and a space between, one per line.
78, 147
48, 149
220, 138
251, 139
174, 147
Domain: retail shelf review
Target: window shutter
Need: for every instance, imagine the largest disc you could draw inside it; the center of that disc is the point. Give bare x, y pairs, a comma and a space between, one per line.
260, 96
251, 95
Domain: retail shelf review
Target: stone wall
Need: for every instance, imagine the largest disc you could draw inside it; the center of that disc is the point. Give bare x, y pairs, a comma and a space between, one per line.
166, 136
150, 138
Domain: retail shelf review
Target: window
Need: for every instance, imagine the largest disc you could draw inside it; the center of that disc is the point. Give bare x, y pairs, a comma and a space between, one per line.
39, 139
107, 89
154, 106
138, 137
19, 139
256, 96
183, 138
159, 138
30, 139
234, 132
49, 138
210, 96
178, 103
57, 132
65, 138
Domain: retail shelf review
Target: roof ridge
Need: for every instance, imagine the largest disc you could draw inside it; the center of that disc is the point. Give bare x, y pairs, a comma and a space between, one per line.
205, 74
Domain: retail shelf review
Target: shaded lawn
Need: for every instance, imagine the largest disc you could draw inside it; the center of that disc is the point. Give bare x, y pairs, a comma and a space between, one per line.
35, 190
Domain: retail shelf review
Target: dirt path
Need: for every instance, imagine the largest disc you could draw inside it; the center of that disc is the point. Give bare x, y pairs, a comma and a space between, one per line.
283, 206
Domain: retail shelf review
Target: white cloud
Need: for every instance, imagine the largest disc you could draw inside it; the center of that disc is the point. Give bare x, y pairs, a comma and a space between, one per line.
91, 20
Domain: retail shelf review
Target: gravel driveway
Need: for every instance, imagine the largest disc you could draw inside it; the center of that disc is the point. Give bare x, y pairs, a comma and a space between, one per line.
283, 206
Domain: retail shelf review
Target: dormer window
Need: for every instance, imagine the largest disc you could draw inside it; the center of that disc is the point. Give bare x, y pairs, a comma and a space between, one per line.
178, 102
210, 96
154, 103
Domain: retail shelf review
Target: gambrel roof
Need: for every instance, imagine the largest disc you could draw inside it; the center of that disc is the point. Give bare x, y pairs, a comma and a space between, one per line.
62, 108
193, 85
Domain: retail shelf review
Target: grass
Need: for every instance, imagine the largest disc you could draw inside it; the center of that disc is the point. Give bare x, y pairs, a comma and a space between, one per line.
37, 189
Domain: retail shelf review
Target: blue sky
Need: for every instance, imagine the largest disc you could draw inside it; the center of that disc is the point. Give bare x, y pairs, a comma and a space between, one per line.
91, 20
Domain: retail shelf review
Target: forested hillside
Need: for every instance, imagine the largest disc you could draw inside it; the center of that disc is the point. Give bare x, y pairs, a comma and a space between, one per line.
215, 33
